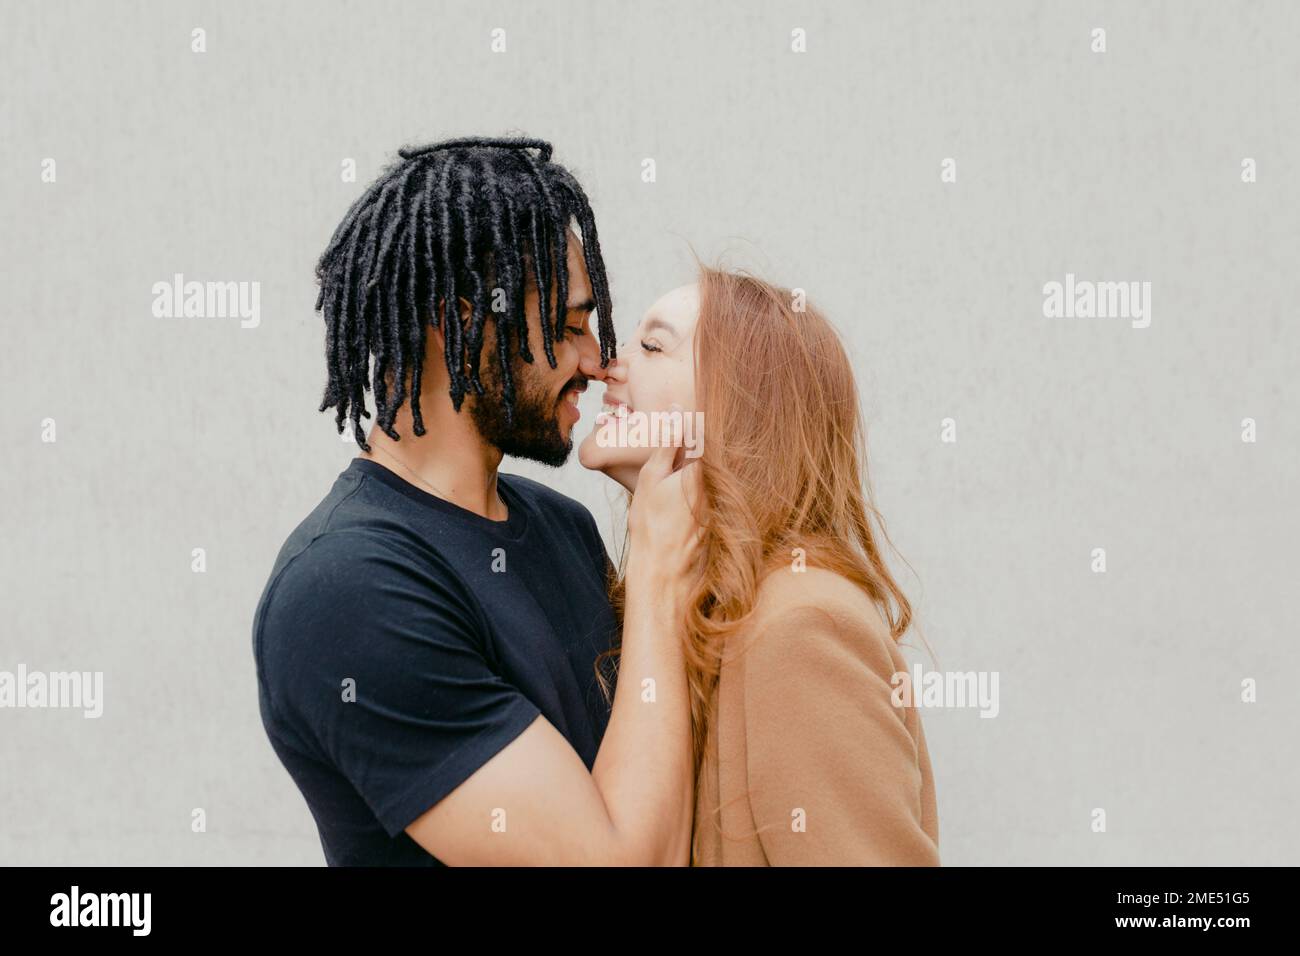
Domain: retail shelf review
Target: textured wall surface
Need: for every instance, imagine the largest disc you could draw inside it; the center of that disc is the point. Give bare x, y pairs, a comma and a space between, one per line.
1120, 691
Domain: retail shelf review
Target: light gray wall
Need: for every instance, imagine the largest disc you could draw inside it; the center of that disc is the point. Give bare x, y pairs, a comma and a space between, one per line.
1118, 690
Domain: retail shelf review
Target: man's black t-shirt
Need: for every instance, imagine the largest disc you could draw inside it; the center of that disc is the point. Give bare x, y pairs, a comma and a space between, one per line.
402, 641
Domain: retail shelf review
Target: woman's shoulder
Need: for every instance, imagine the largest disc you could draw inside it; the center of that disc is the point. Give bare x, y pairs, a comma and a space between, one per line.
786, 592
814, 617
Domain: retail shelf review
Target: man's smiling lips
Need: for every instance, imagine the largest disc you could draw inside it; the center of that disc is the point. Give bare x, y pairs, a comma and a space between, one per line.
569, 398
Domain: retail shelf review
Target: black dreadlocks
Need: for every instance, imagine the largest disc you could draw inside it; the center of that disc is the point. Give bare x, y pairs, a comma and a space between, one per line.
450, 220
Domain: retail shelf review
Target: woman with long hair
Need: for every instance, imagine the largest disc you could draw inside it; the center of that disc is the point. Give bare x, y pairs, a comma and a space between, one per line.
805, 750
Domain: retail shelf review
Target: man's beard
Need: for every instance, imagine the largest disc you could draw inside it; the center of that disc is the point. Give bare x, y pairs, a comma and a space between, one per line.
535, 432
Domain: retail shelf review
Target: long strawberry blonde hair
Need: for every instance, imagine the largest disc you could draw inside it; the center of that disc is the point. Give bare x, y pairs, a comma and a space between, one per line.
783, 468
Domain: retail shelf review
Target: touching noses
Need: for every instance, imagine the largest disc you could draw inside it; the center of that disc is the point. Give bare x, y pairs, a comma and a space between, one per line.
616, 371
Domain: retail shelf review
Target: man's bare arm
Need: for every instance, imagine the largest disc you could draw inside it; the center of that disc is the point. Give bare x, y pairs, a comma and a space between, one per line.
535, 803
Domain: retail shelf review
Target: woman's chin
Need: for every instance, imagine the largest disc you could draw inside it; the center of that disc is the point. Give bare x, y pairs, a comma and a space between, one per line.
618, 464
590, 455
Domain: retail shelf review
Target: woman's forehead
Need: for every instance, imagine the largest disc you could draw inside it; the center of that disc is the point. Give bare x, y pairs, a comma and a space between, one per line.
677, 307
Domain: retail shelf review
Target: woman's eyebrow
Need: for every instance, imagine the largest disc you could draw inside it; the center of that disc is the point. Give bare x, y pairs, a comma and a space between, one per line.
654, 322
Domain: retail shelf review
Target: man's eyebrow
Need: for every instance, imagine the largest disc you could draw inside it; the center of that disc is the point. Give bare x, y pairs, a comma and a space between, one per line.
587, 305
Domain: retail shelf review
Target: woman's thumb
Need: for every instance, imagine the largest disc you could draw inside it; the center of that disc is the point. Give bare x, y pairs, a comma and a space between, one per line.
660, 462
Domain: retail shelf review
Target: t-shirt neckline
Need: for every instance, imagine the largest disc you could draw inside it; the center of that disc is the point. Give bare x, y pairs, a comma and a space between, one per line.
512, 528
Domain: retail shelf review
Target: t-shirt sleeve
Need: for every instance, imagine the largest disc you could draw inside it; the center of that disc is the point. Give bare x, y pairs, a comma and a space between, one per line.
380, 663
596, 545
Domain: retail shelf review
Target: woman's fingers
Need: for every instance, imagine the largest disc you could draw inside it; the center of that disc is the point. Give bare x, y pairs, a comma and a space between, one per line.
660, 463
656, 468
690, 479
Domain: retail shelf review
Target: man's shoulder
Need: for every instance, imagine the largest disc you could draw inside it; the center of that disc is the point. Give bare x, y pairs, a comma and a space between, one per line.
348, 576
357, 554
353, 603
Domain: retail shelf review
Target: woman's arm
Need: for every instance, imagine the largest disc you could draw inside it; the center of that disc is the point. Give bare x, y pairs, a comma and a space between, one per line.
834, 775
643, 769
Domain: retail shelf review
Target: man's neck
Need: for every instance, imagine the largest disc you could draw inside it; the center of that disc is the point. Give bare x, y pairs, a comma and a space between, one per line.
449, 459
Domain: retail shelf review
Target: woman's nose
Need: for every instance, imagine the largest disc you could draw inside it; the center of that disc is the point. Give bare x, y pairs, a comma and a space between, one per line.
617, 368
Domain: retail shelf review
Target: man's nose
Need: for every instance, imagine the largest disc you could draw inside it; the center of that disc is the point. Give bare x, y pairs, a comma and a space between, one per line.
586, 345
589, 365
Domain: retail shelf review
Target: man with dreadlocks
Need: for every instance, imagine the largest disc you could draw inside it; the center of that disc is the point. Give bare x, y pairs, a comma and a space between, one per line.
431, 644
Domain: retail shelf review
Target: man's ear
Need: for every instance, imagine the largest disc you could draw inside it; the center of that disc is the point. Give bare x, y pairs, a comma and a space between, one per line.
466, 311
436, 337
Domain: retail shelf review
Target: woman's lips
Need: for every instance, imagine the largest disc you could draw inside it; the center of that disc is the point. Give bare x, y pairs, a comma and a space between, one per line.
612, 408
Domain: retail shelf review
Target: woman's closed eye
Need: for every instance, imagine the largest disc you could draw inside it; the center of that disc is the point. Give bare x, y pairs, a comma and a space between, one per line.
650, 347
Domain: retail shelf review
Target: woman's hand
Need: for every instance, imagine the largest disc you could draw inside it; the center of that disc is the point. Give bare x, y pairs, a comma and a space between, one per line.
662, 526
